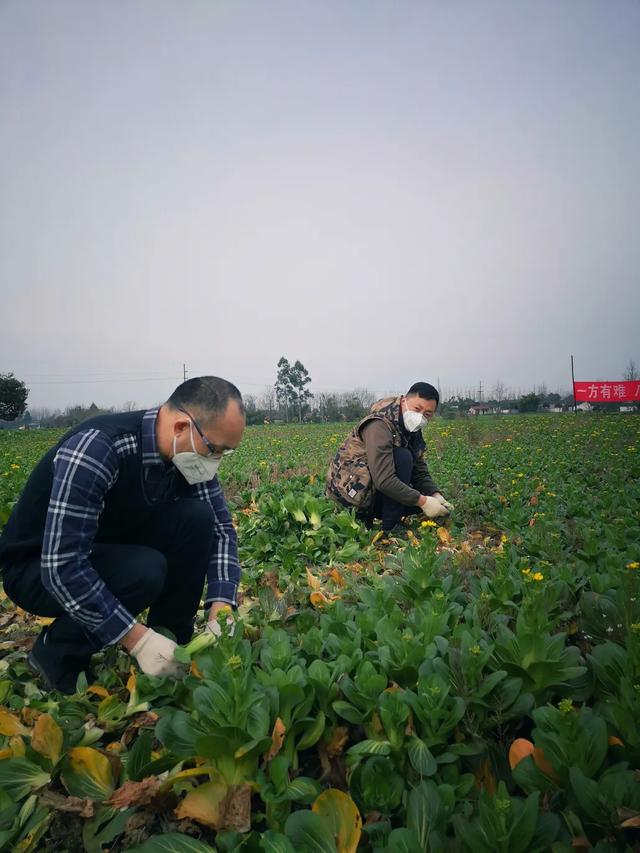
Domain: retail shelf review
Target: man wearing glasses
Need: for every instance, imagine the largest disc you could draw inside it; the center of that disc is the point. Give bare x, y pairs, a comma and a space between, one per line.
126, 513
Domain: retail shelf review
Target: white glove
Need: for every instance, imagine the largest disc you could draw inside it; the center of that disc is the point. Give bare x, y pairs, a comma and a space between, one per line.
213, 627
154, 653
442, 500
432, 508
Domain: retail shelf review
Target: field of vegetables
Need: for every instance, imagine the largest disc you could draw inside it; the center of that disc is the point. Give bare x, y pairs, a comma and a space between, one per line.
473, 686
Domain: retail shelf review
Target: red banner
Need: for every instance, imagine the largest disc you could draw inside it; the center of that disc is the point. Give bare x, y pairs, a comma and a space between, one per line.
607, 392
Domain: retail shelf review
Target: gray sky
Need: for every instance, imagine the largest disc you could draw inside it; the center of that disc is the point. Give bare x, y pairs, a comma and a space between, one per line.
388, 191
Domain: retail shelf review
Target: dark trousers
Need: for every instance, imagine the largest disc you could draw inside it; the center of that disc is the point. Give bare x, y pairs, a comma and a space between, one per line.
161, 567
386, 508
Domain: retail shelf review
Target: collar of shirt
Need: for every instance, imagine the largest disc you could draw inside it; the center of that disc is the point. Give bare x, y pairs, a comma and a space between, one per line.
150, 453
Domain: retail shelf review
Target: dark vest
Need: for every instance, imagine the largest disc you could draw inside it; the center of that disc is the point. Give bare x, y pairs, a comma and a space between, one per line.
137, 494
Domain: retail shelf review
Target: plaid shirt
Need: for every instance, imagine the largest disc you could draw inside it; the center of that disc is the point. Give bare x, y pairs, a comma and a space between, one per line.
85, 467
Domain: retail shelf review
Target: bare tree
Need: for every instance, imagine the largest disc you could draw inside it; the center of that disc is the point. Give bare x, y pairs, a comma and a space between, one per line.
268, 399
499, 392
129, 406
631, 371
249, 403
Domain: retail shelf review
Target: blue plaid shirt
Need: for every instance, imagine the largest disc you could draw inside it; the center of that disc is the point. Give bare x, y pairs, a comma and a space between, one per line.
85, 467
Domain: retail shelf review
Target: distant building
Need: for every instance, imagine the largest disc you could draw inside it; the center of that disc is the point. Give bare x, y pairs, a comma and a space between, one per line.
479, 409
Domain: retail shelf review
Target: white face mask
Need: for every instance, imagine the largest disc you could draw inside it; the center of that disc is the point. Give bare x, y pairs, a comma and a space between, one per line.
194, 467
413, 421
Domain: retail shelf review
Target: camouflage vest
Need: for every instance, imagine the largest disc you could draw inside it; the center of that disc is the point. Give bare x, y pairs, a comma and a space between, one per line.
349, 479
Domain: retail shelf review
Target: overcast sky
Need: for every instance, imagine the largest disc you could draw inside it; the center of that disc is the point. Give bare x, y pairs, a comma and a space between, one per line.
388, 191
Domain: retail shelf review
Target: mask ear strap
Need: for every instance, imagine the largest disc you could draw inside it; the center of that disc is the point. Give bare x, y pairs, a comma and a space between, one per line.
193, 446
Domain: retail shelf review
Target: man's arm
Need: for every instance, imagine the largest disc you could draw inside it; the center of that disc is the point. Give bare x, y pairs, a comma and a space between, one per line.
378, 443
421, 478
84, 469
223, 571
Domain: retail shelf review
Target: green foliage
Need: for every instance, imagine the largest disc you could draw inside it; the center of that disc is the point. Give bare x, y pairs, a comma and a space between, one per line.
13, 397
400, 675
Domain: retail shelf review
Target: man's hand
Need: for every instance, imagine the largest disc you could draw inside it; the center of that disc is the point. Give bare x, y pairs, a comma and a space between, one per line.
154, 654
432, 508
445, 503
213, 625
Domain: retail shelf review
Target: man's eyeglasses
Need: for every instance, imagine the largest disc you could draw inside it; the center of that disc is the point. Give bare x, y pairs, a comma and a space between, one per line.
213, 451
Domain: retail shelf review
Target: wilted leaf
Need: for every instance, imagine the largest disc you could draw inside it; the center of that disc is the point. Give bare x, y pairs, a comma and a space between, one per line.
342, 816
10, 724
519, 749
98, 690
336, 743
47, 738
135, 793
88, 773
73, 805
312, 581
202, 803
444, 536
485, 779
277, 739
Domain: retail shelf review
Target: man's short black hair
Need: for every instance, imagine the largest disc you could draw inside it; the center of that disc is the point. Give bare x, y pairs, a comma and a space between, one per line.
206, 396
424, 390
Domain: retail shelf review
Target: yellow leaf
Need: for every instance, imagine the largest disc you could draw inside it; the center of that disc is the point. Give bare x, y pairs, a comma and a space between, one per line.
10, 724
6, 753
336, 577
378, 536
318, 599
47, 738
443, 535
91, 774
202, 770
131, 682
277, 739
17, 746
313, 581
98, 690
343, 817
203, 803
519, 749
45, 620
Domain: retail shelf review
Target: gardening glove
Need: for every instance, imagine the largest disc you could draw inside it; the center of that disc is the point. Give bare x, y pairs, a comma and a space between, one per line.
445, 503
154, 653
213, 627
432, 508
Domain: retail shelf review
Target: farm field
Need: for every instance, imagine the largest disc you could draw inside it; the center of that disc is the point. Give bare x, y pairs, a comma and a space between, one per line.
471, 686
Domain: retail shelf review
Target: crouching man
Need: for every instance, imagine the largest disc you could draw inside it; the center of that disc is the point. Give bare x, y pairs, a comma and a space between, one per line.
379, 470
126, 513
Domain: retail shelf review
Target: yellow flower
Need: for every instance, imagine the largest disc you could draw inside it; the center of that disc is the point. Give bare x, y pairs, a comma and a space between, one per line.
428, 524
538, 576
634, 565
503, 538
526, 571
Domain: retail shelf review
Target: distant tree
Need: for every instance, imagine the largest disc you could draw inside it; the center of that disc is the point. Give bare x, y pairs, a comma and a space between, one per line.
631, 371
284, 387
499, 391
129, 406
529, 403
26, 418
250, 404
299, 378
268, 401
13, 397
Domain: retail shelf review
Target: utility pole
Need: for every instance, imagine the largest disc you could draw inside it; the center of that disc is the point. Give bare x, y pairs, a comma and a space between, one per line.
184, 372
480, 392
